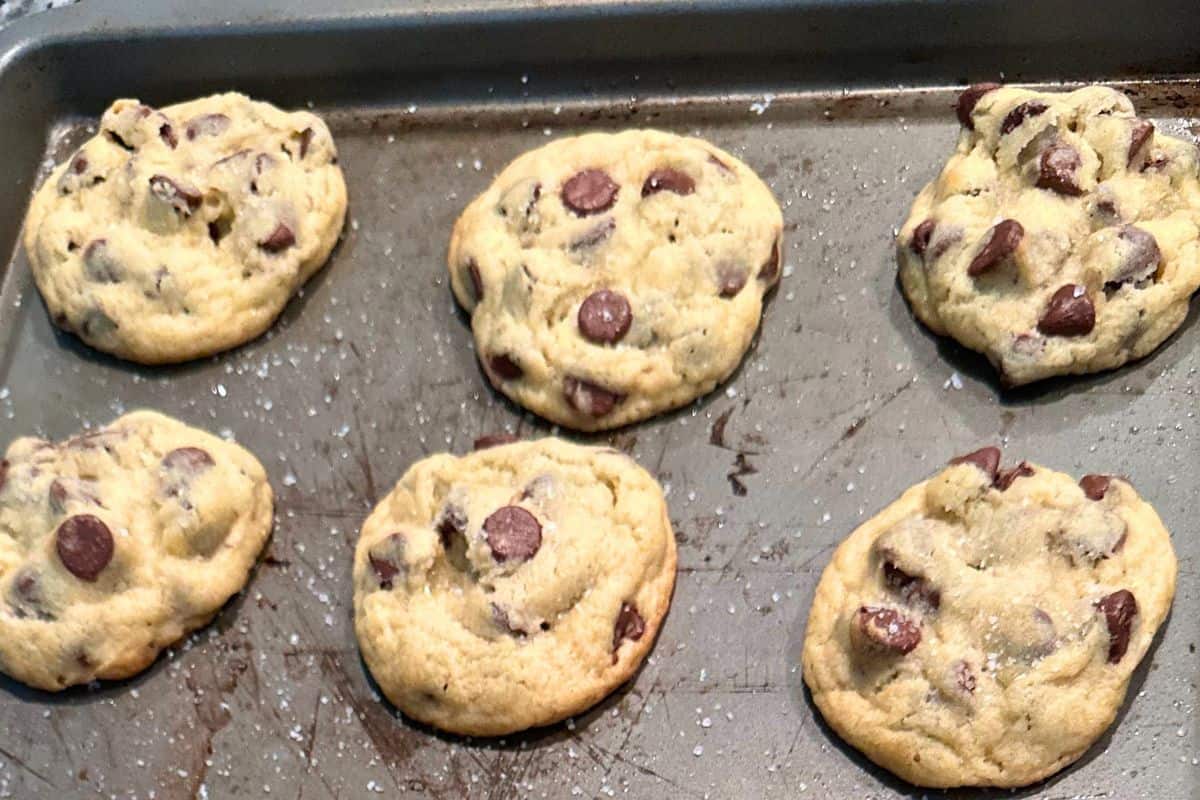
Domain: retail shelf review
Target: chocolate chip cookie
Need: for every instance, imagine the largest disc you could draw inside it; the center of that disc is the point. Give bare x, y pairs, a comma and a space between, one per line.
982, 629
1061, 236
180, 232
512, 587
117, 542
611, 277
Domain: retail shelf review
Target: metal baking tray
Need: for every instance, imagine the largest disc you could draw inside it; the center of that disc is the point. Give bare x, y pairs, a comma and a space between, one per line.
844, 108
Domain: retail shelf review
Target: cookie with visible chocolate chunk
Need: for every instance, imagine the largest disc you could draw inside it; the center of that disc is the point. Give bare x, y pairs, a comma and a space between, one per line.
1060, 237
611, 277
982, 629
512, 587
180, 232
117, 542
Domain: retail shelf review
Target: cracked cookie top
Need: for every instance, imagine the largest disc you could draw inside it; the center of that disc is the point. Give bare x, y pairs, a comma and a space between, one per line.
982, 630
180, 232
1060, 237
512, 587
611, 277
117, 542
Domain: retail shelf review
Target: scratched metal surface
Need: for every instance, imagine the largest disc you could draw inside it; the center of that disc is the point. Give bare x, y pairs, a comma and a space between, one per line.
843, 402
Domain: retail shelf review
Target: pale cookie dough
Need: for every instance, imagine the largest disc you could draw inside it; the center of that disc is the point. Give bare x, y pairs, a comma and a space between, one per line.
611, 277
117, 542
1061, 236
982, 629
512, 587
181, 232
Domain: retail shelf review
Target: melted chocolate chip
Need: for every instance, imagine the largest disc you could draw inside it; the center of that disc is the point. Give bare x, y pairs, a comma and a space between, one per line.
770, 268
589, 398
387, 559
730, 280
1005, 478
986, 458
887, 630
604, 317
96, 324
501, 618
1057, 167
182, 197
1018, 115
589, 192
280, 239
85, 546
495, 440
79, 164
964, 677
629, 625
1119, 609
595, 235
476, 279
1140, 256
1139, 137
99, 264
1095, 486
167, 134
668, 180
4, 465
305, 137
1003, 240
206, 125
503, 367
913, 588
188, 459
450, 523
513, 534
1069, 313
921, 235
969, 99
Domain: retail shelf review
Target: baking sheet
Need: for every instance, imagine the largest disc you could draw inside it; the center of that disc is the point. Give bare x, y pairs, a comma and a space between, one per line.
843, 402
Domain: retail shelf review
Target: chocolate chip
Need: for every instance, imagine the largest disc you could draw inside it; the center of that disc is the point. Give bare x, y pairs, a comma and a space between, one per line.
913, 588
183, 197
668, 180
500, 617
1003, 240
604, 317
167, 134
188, 459
476, 279
1140, 256
85, 546
280, 239
1069, 313
1095, 486
885, 629
206, 125
26, 595
503, 367
1032, 108
1119, 609
387, 559
1005, 479
597, 234
921, 235
1139, 137
96, 324
306, 137
629, 625
589, 398
770, 268
964, 677
79, 164
512, 534
969, 99
589, 192
986, 458
57, 496
730, 280
99, 264
4, 465
495, 440
1057, 167
451, 522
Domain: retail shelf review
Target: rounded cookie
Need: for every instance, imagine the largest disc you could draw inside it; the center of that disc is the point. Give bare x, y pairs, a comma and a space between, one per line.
982, 629
117, 542
181, 232
611, 277
512, 587
1060, 237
